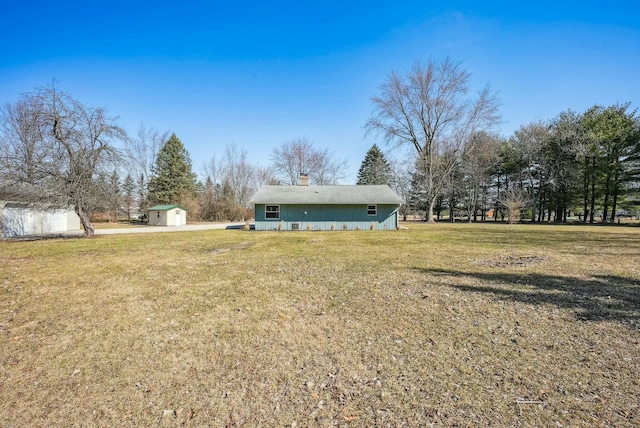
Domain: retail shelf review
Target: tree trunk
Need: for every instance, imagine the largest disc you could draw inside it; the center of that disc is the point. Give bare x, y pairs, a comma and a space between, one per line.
592, 208
585, 191
89, 229
614, 205
616, 185
476, 198
541, 210
432, 203
534, 206
607, 194
534, 197
541, 197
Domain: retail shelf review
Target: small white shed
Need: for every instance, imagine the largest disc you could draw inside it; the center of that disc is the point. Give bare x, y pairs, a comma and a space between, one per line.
167, 215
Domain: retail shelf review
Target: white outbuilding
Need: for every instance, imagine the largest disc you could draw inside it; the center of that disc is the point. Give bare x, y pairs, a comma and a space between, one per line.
167, 215
21, 219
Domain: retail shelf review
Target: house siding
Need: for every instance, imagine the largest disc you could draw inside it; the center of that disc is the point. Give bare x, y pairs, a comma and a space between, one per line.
324, 217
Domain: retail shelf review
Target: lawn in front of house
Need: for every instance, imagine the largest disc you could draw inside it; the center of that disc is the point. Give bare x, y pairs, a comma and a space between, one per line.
463, 324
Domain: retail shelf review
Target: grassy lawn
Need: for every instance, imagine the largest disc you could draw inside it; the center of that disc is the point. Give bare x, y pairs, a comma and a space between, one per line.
445, 325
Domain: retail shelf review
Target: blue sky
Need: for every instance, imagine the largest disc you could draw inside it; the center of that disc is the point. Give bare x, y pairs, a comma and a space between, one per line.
259, 73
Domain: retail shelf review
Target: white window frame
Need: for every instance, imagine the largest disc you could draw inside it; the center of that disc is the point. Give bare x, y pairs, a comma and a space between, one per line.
369, 210
267, 212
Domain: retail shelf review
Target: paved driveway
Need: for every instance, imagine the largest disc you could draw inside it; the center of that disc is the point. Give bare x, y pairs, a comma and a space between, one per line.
164, 229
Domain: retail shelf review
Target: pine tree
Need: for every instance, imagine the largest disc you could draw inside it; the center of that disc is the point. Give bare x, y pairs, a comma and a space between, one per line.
173, 180
129, 187
375, 169
114, 195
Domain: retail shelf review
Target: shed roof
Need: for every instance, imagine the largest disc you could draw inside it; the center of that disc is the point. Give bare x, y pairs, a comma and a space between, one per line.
329, 195
166, 207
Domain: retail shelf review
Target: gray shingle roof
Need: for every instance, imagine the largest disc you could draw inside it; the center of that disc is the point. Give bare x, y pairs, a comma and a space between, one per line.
329, 195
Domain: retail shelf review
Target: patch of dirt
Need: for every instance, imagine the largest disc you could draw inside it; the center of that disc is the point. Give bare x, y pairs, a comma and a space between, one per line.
240, 246
218, 250
28, 238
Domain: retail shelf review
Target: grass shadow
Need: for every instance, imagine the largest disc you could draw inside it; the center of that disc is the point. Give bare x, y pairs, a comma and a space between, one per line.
598, 298
42, 237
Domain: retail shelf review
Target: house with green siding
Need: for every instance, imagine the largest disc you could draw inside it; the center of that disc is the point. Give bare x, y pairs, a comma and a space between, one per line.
307, 207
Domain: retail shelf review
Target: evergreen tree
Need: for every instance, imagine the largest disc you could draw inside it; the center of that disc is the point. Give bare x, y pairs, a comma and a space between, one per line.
114, 195
102, 191
208, 200
561, 163
375, 169
129, 188
173, 180
107, 192
615, 135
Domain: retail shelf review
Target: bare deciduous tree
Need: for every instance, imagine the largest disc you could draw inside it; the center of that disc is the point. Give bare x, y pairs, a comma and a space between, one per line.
53, 148
230, 183
513, 199
239, 174
429, 110
20, 137
401, 181
213, 170
299, 156
328, 170
292, 158
265, 175
142, 151
479, 157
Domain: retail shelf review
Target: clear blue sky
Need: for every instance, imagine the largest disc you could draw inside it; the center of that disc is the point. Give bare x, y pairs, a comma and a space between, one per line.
258, 73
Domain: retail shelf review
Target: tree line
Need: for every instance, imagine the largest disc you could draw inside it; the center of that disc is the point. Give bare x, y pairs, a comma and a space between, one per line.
56, 151
575, 167
585, 165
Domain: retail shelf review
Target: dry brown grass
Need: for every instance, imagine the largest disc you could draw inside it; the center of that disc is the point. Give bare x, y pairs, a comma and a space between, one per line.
445, 325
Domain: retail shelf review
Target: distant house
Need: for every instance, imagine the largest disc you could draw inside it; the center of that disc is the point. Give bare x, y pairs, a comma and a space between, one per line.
167, 215
22, 219
307, 207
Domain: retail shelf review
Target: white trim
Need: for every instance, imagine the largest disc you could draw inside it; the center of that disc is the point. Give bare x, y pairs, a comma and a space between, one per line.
271, 212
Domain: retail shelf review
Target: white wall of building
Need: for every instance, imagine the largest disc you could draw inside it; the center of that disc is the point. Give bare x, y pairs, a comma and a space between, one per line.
21, 220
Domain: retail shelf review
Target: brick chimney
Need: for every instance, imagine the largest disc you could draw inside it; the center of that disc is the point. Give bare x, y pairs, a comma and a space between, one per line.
303, 180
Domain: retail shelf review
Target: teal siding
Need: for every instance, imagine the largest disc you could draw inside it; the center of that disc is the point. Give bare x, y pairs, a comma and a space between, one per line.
324, 217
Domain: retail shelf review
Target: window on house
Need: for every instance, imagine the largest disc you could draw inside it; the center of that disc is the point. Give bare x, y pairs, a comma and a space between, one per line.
372, 210
272, 211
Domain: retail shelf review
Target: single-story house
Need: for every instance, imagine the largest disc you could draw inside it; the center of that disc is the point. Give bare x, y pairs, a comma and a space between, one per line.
167, 215
305, 207
22, 219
